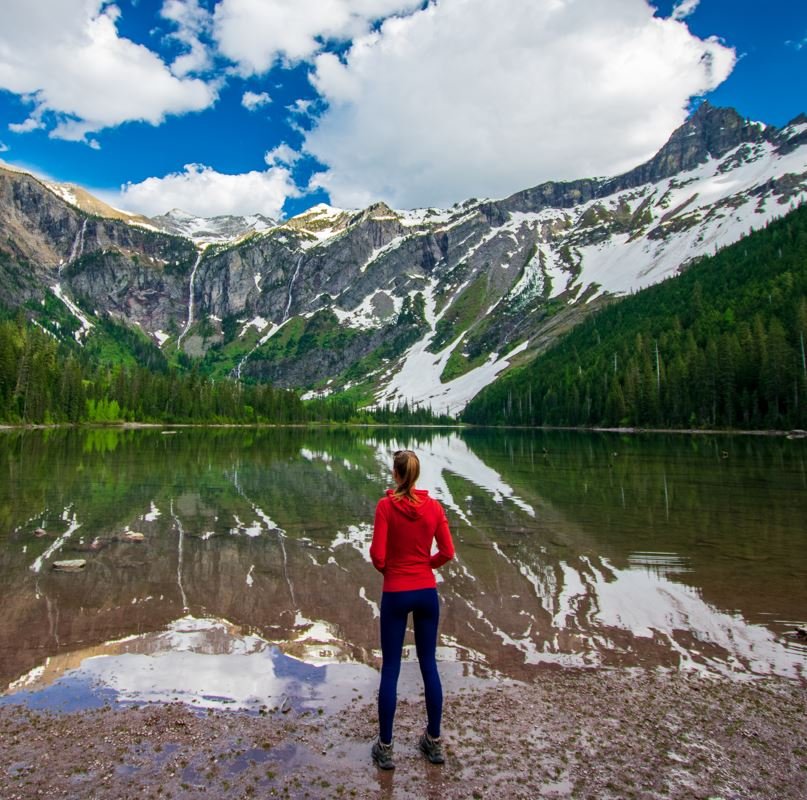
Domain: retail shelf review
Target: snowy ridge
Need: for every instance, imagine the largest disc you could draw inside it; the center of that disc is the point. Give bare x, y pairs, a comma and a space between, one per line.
224, 229
723, 207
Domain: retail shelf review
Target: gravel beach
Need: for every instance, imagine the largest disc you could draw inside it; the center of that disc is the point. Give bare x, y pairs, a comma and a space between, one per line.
595, 734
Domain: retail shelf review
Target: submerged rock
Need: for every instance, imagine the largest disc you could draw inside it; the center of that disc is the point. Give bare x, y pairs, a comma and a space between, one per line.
71, 565
97, 544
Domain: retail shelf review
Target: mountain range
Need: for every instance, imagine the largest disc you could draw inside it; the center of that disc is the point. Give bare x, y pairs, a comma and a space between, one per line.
425, 306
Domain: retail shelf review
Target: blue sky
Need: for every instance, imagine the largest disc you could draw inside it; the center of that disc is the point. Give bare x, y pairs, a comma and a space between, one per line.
234, 106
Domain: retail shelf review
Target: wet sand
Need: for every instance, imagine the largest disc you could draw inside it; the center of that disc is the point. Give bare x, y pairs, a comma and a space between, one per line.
595, 734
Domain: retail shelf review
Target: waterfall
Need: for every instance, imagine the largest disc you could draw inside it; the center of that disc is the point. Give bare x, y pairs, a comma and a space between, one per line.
293, 599
236, 373
179, 558
190, 299
78, 246
270, 526
291, 289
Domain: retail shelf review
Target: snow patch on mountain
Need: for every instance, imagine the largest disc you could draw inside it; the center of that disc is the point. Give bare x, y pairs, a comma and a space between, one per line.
64, 191
417, 382
365, 316
86, 325
259, 323
717, 209
794, 130
318, 225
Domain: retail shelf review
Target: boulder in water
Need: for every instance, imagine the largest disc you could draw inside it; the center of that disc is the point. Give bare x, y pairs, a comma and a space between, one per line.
71, 565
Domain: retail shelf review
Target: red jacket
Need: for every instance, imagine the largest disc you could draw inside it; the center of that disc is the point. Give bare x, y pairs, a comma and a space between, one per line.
402, 541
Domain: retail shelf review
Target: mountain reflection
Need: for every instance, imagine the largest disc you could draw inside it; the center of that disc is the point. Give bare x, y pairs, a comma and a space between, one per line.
573, 550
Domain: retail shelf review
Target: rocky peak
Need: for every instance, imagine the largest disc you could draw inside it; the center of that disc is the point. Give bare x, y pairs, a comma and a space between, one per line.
378, 223
176, 214
801, 119
709, 132
716, 131
377, 211
793, 135
319, 219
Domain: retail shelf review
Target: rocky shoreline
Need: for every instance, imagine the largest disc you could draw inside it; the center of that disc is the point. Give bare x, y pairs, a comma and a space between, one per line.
600, 734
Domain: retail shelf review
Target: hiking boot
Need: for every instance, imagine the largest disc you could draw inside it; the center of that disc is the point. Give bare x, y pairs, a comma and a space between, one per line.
382, 754
432, 749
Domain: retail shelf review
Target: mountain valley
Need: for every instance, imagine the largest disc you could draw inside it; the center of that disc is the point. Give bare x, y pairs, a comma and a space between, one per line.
424, 307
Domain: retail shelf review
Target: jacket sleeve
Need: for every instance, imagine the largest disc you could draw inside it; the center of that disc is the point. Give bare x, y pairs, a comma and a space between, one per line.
378, 548
445, 545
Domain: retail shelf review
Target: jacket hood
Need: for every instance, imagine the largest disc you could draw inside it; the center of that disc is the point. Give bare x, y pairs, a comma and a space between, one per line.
403, 505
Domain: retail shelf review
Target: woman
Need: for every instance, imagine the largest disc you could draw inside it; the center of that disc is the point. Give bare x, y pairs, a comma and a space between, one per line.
407, 521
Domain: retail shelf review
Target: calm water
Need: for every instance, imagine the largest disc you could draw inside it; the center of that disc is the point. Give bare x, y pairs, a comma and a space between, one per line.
253, 584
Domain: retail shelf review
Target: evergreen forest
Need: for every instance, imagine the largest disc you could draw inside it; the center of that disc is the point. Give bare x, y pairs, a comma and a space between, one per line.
721, 345
117, 378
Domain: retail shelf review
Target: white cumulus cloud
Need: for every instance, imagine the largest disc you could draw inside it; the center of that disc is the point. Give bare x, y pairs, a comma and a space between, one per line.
685, 9
253, 100
193, 23
256, 33
3, 147
203, 191
66, 58
33, 123
475, 98
282, 155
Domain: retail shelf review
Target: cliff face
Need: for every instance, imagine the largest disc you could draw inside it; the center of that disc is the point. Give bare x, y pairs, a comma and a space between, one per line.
114, 266
427, 305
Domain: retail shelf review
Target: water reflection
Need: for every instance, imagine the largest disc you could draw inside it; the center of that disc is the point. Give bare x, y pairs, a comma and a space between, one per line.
207, 663
574, 550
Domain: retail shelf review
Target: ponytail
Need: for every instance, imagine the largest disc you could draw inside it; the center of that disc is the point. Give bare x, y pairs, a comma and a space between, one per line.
406, 466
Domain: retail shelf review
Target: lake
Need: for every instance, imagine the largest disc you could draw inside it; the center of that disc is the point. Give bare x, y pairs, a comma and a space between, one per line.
252, 585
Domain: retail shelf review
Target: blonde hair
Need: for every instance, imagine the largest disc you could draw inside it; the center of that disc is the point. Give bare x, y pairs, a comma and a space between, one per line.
406, 467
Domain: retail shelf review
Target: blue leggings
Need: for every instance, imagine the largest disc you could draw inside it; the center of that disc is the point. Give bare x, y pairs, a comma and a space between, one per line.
395, 608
